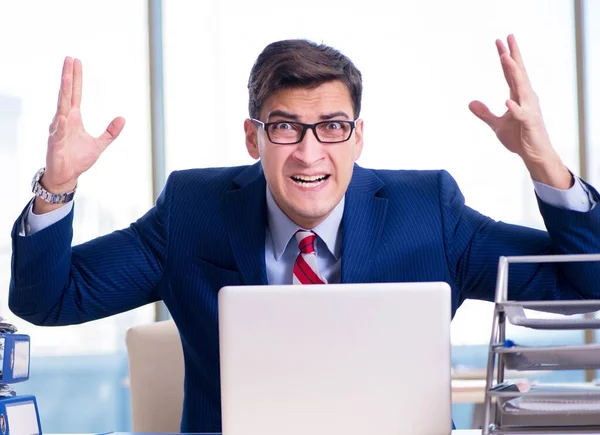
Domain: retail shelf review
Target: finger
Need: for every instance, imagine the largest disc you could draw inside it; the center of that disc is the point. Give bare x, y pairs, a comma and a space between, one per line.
501, 51
77, 83
501, 47
516, 110
515, 53
112, 132
520, 83
481, 111
66, 87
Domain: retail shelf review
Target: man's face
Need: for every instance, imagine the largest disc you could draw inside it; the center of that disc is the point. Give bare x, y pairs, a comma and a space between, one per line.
307, 179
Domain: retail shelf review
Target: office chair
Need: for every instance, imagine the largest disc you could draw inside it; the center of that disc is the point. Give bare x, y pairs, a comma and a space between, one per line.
156, 372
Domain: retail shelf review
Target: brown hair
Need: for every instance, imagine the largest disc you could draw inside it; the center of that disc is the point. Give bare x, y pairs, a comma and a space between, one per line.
300, 63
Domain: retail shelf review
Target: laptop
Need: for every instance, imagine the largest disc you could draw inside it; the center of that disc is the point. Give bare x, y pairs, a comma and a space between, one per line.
336, 359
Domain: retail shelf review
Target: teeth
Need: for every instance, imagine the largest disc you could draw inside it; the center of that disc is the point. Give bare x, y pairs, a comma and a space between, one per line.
308, 178
312, 183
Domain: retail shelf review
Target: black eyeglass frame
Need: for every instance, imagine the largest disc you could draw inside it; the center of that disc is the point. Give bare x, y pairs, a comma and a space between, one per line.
313, 127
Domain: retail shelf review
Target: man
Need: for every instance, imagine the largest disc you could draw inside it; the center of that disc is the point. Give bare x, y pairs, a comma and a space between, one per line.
230, 226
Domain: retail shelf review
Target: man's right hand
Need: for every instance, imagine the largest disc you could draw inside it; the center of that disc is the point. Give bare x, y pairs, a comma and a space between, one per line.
71, 150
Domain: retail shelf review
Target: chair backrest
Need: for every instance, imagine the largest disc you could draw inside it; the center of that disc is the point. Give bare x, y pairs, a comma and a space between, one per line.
156, 371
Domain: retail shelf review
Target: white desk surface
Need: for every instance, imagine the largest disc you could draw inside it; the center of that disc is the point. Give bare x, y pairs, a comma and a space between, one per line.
454, 432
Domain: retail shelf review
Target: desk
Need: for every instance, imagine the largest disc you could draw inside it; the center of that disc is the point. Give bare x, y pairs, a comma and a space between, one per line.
454, 432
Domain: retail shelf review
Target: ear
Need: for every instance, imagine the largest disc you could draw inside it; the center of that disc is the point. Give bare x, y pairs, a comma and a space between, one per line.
251, 139
358, 139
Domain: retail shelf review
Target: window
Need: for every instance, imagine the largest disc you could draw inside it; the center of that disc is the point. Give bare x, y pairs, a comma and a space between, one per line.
592, 57
421, 67
111, 40
422, 63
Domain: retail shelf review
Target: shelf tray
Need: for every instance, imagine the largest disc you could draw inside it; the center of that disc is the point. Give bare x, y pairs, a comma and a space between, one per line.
548, 406
580, 357
568, 309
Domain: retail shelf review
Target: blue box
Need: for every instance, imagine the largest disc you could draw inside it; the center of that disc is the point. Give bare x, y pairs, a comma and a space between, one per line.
19, 416
15, 358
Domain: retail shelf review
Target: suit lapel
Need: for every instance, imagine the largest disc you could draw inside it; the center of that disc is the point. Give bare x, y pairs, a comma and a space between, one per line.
362, 225
245, 218
245, 211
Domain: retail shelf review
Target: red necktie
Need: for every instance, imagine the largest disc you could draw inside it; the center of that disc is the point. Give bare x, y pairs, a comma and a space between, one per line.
305, 267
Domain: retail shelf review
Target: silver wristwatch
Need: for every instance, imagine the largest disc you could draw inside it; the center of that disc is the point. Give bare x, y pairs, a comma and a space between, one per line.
51, 198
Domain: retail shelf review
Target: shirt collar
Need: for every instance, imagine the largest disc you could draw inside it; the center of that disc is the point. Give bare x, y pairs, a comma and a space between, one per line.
283, 229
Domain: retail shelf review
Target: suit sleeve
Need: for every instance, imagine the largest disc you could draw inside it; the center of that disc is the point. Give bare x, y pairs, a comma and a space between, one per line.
474, 243
55, 284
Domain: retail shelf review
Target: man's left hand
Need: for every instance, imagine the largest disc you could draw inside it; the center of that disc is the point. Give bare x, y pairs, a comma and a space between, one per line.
521, 128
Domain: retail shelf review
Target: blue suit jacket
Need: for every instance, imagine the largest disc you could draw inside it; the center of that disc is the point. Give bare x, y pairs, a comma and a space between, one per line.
207, 230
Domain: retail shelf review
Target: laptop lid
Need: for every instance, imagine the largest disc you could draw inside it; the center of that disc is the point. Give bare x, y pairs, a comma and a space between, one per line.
336, 359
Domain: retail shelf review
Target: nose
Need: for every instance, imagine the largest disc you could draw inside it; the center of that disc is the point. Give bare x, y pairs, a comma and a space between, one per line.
309, 150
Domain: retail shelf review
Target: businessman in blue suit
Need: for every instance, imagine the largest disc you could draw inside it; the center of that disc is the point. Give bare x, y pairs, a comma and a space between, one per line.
240, 225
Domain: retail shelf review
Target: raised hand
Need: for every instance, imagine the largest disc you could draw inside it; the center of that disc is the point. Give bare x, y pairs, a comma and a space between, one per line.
521, 128
71, 150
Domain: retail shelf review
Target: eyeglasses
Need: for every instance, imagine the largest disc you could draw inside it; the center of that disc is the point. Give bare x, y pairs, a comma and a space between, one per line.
290, 133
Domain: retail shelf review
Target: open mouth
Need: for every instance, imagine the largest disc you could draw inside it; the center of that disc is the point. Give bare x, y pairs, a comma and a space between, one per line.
307, 181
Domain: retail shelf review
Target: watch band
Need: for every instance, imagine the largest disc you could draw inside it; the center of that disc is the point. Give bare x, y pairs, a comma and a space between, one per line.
49, 197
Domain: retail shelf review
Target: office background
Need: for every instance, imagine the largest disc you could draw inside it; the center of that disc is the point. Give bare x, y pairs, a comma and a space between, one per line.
422, 63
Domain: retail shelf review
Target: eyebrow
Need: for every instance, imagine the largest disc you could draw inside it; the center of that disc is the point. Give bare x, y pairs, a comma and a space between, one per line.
282, 114
288, 115
335, 115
